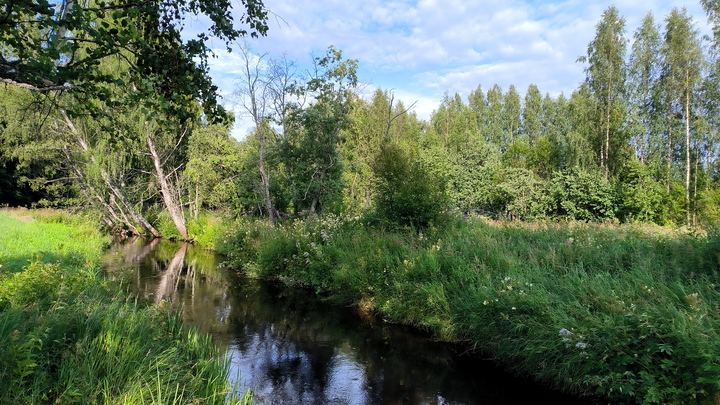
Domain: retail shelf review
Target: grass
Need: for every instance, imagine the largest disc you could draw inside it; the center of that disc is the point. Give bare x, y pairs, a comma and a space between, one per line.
628, 313
68, 337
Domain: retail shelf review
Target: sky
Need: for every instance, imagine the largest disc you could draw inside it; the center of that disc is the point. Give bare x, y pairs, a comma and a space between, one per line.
421, 50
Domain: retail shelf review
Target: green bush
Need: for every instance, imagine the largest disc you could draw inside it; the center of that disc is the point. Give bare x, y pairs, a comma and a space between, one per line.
577, 195
407, 194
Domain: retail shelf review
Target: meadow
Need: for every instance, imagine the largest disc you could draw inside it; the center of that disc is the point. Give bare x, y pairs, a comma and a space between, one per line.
625, 312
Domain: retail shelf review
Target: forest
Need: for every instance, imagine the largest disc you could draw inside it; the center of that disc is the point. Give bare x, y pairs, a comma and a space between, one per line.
637, 141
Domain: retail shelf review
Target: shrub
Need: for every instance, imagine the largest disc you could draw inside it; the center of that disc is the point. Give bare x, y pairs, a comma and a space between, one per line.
577, 195
406, 193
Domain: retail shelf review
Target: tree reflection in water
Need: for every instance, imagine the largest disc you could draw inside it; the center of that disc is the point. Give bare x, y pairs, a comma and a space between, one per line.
291, 347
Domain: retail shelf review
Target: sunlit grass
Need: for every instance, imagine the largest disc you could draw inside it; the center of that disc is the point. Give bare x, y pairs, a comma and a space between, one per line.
67, 336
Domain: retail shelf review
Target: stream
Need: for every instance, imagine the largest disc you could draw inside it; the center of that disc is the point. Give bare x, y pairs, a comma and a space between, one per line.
291, 347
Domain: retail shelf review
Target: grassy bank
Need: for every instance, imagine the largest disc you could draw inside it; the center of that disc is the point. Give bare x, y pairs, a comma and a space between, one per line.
67, 337
626, 313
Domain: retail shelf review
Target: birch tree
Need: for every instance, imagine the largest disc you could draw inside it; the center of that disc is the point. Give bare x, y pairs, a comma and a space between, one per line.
682, 66
606, 75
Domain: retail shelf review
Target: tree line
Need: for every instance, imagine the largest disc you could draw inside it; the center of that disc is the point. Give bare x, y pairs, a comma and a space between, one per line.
636, 141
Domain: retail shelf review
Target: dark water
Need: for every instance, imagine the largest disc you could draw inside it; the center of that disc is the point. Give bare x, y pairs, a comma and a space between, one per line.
291, 347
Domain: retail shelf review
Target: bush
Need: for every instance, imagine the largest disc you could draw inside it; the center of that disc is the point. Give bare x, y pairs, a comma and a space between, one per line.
577, 195
406, 193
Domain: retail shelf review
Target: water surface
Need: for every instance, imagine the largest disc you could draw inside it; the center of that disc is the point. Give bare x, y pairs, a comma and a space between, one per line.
292, 347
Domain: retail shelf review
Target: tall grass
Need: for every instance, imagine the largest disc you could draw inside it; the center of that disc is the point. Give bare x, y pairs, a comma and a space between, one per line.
628, 313
66, 336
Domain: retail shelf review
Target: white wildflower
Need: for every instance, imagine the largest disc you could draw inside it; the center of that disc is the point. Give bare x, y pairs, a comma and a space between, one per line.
565, 332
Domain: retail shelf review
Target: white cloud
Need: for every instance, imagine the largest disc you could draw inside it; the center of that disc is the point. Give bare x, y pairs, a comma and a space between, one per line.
423, 48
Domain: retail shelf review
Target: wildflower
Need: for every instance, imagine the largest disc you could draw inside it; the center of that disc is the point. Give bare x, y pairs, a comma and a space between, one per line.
565, 332
514, 308
306, 254
486, 302
581, 345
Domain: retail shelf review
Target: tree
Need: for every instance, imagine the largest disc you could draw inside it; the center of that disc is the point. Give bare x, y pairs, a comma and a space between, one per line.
712, 8
373, 123
477, 105
211, 169
58, 47
644, 75
453, 122
683, 60
254, 94
606, 77
532, 114
493, 129
511, 115
312, 133
407, 194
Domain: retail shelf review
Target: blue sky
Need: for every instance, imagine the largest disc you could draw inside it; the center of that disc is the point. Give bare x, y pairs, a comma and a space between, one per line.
422, 49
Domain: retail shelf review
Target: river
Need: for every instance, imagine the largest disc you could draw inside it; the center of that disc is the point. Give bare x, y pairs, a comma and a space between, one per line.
292, 347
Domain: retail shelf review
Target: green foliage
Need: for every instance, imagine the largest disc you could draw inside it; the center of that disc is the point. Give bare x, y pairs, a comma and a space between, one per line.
516, 193
166, 71
641, 197
407, 194
309, 150
577, 195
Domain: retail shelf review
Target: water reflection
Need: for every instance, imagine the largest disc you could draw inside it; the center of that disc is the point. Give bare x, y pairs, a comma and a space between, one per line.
293, 348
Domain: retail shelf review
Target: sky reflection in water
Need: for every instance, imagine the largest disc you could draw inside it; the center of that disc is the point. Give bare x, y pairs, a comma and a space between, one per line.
291, 347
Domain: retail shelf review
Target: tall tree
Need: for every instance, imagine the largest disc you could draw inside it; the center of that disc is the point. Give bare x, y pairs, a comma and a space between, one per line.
683, 60
254, 95
606, 77
453, 122
310, 146
511, 113
477, 105
493, 118
712, 8
644, 74
532, 114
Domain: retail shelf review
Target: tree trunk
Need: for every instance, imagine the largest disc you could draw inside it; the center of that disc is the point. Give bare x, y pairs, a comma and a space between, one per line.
607, 136
136, 216
168, 191
106, 212
669, 154
264, 175
687, 157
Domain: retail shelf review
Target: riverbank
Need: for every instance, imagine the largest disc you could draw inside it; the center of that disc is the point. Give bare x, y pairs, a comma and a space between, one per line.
67, 336
624, 312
